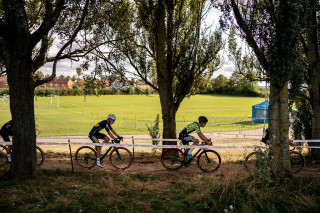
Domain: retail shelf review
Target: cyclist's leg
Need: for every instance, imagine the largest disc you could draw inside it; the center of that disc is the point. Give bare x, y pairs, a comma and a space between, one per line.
94, 139
187, 139
105, 139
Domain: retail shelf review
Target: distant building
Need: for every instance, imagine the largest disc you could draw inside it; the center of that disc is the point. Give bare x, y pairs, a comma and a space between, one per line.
58, 84
142, 85
4, 82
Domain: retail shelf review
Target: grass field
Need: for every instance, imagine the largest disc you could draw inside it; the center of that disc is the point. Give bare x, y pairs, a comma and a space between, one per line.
148, 187
77, 114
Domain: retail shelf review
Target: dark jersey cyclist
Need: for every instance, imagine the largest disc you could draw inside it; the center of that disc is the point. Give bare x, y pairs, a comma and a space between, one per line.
95, 134
5, 132
194, 127
265, 138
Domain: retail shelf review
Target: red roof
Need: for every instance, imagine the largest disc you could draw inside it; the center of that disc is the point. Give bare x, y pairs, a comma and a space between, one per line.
60, 81
3, 79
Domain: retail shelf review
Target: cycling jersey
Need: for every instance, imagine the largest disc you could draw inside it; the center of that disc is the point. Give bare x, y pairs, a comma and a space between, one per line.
101, 125
95, 134
184, 134
193, 127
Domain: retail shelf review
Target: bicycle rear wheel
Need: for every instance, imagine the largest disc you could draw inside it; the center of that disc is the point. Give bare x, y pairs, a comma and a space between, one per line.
120, 158
297, 161
172, 159
3, 155
251, 162
40, 156
86, 157
209, 161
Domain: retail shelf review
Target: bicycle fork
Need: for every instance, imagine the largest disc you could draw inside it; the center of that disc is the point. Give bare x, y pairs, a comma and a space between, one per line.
118, 153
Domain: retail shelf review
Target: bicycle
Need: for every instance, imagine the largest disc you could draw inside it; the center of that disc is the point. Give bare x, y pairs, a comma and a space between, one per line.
296, 159
119, 157
175, 159
4, 158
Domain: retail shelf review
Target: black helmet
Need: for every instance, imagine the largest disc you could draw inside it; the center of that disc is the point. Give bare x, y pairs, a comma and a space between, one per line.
203, 119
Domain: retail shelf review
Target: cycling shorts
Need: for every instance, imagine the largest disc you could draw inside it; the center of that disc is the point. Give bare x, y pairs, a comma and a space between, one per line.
185, 138
94, 137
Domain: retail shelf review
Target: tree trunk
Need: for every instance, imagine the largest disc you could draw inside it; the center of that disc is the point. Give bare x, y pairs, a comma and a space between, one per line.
22, 109
314, 66
18, 63
279, 129
164, 71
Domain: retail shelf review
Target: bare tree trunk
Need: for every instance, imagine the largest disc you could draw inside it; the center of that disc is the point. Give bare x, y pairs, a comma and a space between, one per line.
314, 64
22, 109
18, 63
279, 128
164, 69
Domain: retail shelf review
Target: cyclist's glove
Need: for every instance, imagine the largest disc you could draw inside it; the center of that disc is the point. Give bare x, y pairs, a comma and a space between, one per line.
116, 140
120, 138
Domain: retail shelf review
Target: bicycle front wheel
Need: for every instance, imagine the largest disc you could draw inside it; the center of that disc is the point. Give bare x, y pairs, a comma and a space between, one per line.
120, 158
209, 161
251, 162
40, 156
3, 155
297, 161
86, 157
172, 159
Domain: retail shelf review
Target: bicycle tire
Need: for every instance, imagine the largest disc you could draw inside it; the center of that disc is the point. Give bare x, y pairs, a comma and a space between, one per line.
251, 162
3, 155
40, 156
86, 157
121, 158
209, 161
173, 159
297, 161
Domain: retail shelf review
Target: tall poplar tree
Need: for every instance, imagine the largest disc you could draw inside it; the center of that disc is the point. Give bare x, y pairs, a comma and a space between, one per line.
271, 29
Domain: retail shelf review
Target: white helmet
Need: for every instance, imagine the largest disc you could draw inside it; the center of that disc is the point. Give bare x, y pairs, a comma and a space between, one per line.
112, 117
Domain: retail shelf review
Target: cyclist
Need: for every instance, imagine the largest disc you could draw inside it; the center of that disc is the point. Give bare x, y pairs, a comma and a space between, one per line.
265, 138
95, 134
5, 132
194, 127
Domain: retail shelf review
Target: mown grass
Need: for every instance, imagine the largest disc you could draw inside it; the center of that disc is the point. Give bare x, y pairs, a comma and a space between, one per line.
76, 115
60, 191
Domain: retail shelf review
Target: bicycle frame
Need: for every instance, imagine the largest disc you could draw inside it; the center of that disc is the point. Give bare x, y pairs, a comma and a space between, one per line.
195, 155
106, 153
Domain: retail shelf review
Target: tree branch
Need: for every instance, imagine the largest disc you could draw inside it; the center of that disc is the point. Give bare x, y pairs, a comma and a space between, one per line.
54, 68
249, 37
49, 21
41, 58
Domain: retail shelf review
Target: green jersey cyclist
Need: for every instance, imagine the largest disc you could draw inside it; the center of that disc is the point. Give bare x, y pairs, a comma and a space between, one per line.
194, 127
95, 134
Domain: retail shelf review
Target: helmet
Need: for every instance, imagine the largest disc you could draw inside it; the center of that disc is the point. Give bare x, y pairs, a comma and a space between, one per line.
112, 117
203, 119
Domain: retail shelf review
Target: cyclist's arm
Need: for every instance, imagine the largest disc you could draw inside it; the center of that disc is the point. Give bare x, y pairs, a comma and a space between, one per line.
206, 140
111, 135
114, 133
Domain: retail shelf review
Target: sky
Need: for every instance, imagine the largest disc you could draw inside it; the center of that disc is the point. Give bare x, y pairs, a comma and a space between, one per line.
68, 68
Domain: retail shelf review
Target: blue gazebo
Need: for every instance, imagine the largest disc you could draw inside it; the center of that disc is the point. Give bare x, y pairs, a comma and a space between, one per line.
258, 112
